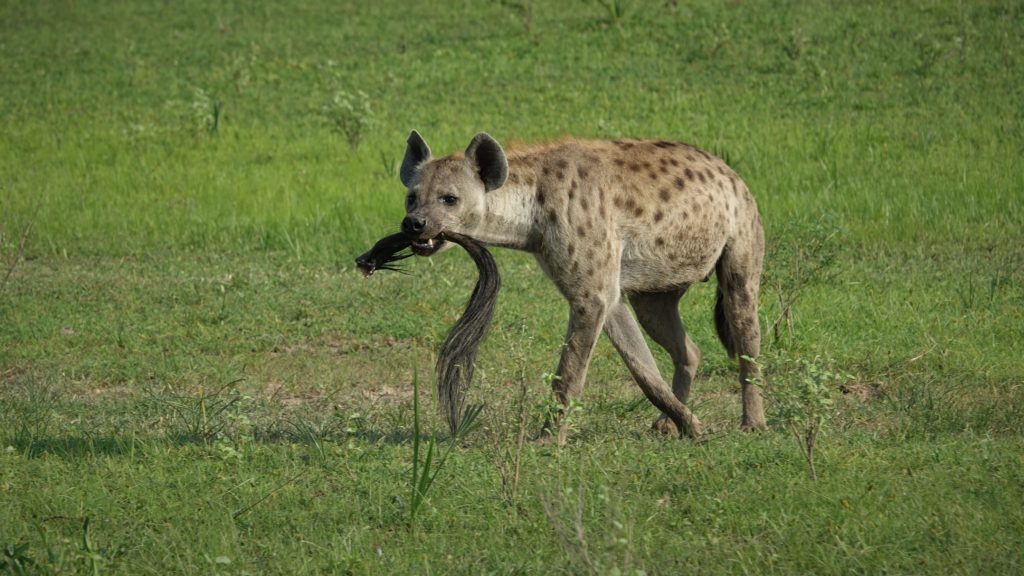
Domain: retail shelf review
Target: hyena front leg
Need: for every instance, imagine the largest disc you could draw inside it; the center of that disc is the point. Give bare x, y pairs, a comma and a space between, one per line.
625, 335
585, 320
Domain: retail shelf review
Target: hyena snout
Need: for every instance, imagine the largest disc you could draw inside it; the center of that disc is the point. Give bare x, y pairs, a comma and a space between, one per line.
425, 238
413, 226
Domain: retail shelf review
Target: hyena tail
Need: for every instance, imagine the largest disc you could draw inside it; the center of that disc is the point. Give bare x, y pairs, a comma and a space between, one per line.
457, 359
722, 326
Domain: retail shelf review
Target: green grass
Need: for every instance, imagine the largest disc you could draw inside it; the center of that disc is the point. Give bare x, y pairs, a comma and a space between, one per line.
189, 361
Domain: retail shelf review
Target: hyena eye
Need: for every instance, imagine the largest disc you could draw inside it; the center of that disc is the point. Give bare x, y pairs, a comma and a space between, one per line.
410, 200
449, 200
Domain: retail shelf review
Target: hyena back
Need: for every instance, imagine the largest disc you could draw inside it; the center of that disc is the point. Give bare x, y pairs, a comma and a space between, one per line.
639, 219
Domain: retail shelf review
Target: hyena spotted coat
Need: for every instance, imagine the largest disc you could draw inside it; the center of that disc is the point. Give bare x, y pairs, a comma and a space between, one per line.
608, 221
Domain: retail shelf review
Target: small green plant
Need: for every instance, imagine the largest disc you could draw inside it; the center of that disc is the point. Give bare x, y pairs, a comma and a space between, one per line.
206, 112
16, 560
802, 403
350, 114
208, 416
424, 473
561, 420
799, 265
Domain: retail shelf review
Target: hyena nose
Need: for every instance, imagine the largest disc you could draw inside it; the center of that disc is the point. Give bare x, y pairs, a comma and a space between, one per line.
413, 225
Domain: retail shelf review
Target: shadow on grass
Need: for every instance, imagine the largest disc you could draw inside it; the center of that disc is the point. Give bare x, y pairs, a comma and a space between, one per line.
75, 446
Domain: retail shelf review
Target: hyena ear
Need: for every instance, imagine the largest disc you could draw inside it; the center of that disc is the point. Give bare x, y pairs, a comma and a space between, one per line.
416, 153
490, 160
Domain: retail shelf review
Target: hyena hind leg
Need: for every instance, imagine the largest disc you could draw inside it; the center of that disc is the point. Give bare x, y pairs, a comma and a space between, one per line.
739, 281
658, 314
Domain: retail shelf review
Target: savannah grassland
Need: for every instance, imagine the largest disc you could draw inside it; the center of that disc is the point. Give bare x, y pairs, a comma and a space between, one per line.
193, 378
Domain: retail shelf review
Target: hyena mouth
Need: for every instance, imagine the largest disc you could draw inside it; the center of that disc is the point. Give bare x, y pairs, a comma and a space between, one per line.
428, 246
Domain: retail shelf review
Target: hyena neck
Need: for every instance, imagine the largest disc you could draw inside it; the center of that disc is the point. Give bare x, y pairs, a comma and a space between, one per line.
509, 221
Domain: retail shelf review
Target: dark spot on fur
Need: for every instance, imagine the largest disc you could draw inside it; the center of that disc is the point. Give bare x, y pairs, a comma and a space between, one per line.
638, 211
620, 162
701, 176
545, 171
665, 144
562, 164
658, 216
560, 175
630, 204
582, 172
634, 167
551, 215
689, 174
540, 197
673, 162
664, 194
659, 241
653, 175
617, 201
570, 248
513, 178
721, 170
584, 204
581, 231
530, 179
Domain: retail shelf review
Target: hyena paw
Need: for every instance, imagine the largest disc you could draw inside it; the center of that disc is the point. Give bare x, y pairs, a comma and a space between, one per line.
753, 425
665, 425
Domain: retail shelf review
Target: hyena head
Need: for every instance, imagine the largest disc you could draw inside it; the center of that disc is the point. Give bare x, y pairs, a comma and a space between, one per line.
447, 194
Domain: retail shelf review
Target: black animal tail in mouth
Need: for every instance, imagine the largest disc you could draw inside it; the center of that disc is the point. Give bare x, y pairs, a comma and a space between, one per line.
456, 361
387, 250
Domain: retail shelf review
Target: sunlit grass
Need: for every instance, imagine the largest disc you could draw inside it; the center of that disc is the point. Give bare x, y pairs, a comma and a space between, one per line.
189, 361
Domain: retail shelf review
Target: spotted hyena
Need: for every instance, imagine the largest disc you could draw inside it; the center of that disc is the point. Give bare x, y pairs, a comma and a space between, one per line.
609, 221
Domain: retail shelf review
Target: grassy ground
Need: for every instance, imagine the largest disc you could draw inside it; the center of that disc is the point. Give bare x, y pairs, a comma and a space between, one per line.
194, 380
